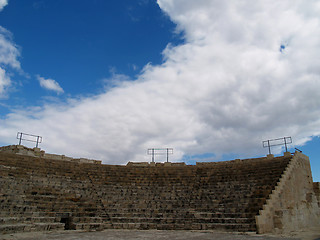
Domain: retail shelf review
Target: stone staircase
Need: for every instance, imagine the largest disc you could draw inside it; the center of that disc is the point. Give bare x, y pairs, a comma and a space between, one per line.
39, 194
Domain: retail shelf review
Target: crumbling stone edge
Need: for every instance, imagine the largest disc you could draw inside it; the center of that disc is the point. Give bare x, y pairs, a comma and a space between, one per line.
37, 152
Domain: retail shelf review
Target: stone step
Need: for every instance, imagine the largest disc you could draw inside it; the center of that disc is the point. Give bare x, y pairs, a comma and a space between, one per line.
30, 227
30, 214
86, 219
233, 209
31, 219
190, 214
92, 226
176, 220
188, 226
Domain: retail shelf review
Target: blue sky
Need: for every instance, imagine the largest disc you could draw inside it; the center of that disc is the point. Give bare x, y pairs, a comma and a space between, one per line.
81, 43
109, 79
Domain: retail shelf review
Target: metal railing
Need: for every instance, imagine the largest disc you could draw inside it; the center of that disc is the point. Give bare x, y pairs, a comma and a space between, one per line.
29, 137
160, 151
277, 142
298, 150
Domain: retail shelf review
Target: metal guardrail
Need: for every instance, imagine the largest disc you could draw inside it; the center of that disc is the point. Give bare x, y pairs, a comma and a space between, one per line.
298, 150
277, 142
160, 151
29, 137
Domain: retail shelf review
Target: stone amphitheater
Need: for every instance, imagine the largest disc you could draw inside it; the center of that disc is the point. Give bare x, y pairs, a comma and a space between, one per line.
47, 192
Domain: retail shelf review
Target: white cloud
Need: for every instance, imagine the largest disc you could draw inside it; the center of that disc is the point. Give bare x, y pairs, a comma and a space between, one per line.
4, 81
227, 88
3, 3
50, 84
9, 54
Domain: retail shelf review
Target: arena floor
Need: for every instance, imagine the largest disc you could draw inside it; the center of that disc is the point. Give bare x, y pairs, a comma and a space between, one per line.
153, 235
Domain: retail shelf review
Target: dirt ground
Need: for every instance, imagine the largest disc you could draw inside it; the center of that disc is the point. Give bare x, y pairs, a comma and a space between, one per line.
311, 234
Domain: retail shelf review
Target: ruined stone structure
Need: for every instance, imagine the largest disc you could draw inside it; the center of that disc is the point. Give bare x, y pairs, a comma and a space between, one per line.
270, 194
37, 152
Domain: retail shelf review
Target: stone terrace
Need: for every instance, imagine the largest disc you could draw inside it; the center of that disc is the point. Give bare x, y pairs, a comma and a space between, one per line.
39, 194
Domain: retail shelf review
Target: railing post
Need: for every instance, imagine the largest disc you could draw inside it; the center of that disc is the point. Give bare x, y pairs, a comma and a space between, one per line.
285, 143
37, 142
20, 138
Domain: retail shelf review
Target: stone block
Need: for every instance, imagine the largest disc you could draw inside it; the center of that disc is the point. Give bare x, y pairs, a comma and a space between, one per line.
138, 164
270, 156
152, 164
287, 154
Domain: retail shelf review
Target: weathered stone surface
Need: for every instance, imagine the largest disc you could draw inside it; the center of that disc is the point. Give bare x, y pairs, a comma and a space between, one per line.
293, 204
37, 152
37, 193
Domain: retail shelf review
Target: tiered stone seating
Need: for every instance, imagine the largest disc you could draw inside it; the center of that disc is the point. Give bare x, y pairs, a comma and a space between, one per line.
38, 194
43, 194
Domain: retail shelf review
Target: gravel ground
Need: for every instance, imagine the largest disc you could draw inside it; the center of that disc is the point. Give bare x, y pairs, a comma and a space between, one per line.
152, 234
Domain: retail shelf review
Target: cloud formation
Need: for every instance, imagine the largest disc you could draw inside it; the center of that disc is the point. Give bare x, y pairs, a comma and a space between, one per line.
9, 55
247, 72
4, 81
50, 84
3, 3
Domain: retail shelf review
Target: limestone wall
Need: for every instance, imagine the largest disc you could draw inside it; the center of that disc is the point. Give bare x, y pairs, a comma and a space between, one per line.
293, 204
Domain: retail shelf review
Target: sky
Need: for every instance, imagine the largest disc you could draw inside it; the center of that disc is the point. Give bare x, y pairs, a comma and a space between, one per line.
211, 79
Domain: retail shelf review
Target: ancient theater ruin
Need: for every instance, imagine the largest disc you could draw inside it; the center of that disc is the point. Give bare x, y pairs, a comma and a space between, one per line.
40, 191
